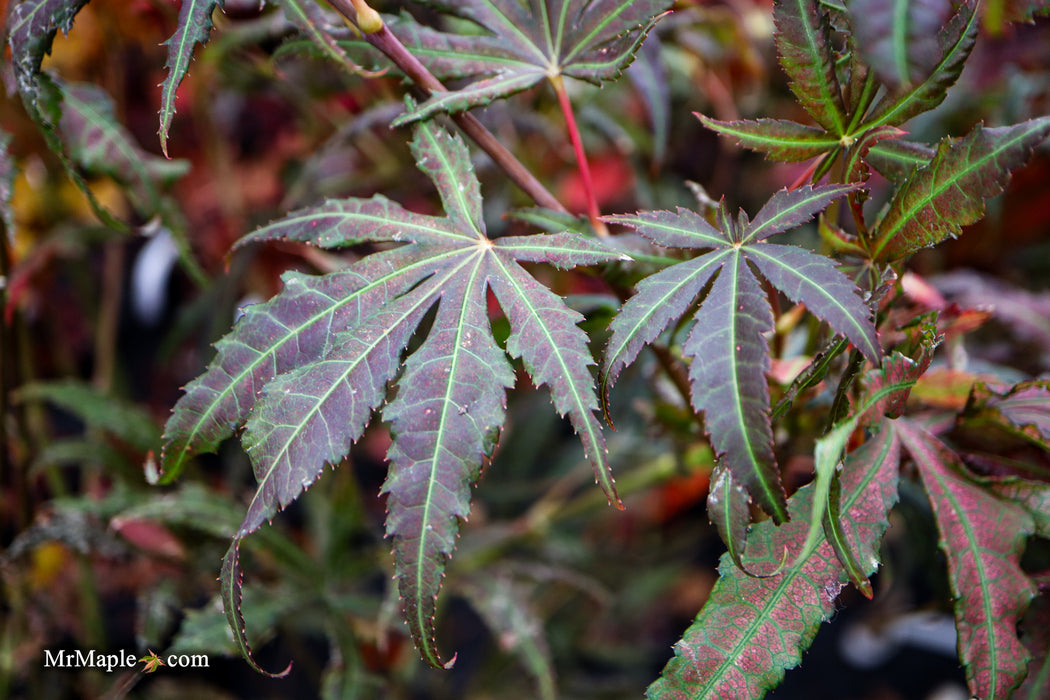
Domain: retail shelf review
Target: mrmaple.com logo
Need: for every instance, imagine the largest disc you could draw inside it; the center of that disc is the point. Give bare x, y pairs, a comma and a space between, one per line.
79, 658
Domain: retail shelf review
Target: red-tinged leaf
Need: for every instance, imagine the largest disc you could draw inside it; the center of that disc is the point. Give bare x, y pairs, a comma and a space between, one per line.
102, 145
524, 44
232, 580
193, 28
897, 160
313, 364
31, 30
900, 39
997, 12
956, 41
949, 193
729, 353
779, 139
804, 42
308, 16
728, 375
751, 630
1033, 496
1024, 410
983, 537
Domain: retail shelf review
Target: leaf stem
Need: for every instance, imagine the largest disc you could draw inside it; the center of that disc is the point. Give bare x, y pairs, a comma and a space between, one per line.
581, 156
385, 41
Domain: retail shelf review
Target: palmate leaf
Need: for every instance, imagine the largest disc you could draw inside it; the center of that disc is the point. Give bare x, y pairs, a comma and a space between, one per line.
193, 28
949, 192
729, 352
751, 630
592, 40
313, 364
982, 536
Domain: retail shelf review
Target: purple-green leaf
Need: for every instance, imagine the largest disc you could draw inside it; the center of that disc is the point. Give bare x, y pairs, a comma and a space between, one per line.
306, 371
955, 41
102, 145
779, 139
983, 537
31, 30
523, 44
729, 510
751, 630
1024, 410
193, 28
804, 42
727, 345
899, 39
949, 193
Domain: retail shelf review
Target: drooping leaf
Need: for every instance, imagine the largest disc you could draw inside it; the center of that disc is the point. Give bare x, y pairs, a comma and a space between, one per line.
193, 28
949, 192
955, 42
313, 364
779, 139
983, 537
729, 509
751, 630
728, 349
806, 54
1024, 410
899, 39
523, 44
102, 145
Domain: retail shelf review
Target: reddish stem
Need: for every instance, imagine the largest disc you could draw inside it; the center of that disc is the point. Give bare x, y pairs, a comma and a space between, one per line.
581, 157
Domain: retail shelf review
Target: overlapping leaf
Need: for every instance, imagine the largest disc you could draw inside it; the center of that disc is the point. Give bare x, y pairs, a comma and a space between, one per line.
322, 352
727, 347
916, 75
523, 44
983, 538
751, 630
100, 144
950, 192
193, 28
1024, 410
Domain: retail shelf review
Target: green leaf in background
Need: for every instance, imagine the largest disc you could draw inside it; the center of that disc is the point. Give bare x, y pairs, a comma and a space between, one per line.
729, 352
323, 351
751, 630
983, 537
193, 28
591, 41
949, 193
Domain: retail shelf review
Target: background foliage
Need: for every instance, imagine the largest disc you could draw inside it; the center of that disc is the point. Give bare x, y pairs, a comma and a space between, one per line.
121, 270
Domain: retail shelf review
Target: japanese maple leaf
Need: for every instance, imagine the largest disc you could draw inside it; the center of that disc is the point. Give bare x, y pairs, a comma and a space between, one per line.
524, 43
729, 353
304, 371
